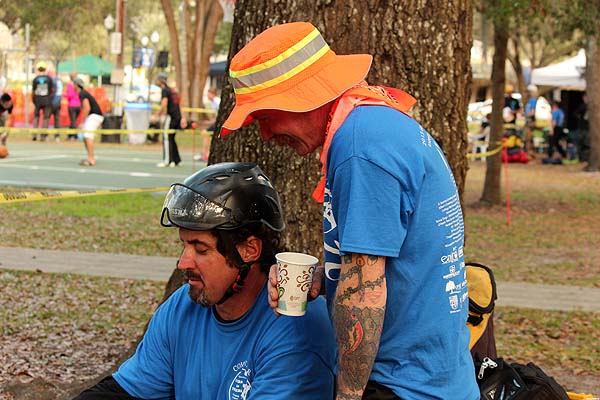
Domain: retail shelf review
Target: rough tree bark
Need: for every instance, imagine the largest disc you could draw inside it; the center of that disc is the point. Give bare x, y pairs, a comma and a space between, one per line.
593, 90
491, 189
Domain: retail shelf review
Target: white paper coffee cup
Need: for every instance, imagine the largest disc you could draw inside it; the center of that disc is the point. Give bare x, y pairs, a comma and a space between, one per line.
294, 280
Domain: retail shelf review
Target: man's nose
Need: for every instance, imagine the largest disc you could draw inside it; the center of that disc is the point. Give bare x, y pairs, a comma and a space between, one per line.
185, 261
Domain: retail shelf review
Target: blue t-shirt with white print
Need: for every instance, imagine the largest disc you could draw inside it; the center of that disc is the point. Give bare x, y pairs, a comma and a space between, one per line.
187, 353
390, 192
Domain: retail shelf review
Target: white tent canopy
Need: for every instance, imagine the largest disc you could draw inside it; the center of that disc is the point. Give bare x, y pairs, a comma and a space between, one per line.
567, 74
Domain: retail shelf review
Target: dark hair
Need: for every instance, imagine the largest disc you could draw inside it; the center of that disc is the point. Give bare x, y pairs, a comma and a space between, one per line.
5, 97
271, 243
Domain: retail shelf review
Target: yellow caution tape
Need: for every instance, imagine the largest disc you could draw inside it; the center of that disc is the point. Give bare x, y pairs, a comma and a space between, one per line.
486, 153
582, 396
104, 131
20, 197
199, 110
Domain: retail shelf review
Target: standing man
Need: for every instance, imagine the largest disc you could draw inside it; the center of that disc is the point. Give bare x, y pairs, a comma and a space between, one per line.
169, 108
393, 226
74, 105
92, 118
512, 106
214, 102
532, 93
216, 337
56, 101
43, 92
582, 137
557, 134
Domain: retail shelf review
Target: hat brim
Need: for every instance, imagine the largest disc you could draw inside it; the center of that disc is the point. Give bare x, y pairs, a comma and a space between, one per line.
319, 89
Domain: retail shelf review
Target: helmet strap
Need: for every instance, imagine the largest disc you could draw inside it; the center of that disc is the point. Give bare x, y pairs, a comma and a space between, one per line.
244, 267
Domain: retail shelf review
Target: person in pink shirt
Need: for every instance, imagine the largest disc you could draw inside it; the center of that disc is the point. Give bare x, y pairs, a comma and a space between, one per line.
74, 105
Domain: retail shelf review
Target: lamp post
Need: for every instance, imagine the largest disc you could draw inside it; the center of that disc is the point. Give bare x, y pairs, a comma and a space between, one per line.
109, 24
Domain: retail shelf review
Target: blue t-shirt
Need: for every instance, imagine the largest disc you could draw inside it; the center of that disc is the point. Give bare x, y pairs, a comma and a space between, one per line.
390, 192
187, 353
530, 106
558, 116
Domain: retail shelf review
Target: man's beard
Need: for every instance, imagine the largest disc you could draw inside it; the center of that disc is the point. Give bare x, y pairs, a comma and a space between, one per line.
198, 295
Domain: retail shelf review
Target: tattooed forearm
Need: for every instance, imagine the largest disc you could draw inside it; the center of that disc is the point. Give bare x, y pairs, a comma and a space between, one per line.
359, 309
358, 332
347, 293
355, 270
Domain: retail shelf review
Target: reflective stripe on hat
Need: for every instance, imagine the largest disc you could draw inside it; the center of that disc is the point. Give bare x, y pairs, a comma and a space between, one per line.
281, 68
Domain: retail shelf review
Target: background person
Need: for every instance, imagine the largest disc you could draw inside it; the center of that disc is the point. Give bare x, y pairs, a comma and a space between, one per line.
74, 105
582, 137
170, 110
56, 101
91, 117
43, 92
392, 221
216, 337
557, 134
6, 108
530, 125
512, 106
214, 102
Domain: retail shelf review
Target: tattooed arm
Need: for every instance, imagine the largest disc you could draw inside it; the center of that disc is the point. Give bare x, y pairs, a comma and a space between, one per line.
359, 308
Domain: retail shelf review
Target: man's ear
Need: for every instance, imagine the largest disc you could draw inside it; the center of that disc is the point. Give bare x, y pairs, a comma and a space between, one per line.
251, 249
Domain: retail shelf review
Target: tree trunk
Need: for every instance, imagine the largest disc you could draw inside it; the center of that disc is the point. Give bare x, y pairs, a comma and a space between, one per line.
515, 60
174, 42
491, 189
435, 69
199, 33
593, 91
209, 14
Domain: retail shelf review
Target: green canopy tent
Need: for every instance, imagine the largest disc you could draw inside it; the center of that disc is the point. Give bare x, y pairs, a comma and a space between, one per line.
87, 65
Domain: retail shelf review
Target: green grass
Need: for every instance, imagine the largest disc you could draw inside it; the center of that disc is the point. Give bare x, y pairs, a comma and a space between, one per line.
552, 238
123, 223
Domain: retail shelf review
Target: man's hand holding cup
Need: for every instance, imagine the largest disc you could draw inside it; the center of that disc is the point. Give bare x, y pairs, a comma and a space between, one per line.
293, 281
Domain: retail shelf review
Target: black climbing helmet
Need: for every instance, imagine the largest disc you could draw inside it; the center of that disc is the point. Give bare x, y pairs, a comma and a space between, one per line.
223, 196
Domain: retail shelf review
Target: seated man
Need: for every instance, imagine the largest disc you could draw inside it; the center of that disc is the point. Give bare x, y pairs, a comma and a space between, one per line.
216, 336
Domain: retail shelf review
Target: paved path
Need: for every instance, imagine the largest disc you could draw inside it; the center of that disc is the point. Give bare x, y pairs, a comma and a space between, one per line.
544, 297
56, 166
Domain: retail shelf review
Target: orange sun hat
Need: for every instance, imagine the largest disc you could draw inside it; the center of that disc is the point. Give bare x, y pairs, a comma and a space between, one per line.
289, 67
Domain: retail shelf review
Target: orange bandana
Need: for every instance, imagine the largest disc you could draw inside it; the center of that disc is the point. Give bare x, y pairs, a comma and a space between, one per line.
360, 95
